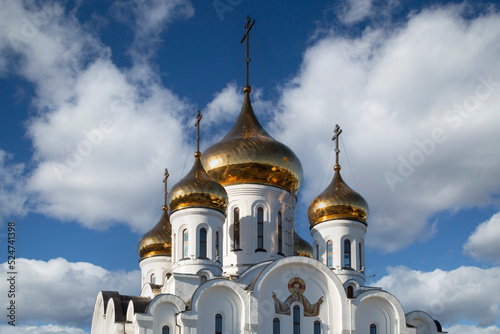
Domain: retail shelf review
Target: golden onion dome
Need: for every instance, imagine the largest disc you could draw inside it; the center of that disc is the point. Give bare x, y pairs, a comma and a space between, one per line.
338, 201
197, 189
158, 241
248, 154
301, 247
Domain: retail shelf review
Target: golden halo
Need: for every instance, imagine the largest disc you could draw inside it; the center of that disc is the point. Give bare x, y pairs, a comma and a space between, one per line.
294, 281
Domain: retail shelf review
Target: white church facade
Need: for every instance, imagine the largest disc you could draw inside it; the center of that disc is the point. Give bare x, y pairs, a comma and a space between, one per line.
224, 257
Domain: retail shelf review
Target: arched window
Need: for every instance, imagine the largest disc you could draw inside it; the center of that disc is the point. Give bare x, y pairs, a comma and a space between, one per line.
373, 329
280, 233
165, 330
350, 292
317, 252
317, 327
347, 253
153, 279
260, 228
329, 247
236, 229
203, 279
276, 326
217, 245
360, 263
203, 242
185, 238
296, 320
218, 324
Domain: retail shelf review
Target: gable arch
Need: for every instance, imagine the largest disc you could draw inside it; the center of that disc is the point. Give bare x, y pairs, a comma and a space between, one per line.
380, 308
320, 284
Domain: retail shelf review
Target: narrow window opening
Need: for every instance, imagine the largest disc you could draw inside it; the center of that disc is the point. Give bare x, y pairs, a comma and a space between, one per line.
217, 246
165, 330
317, 327
350, 292
280, 233
329, 246
218, 324
276, 326
347, 253
360, 257
317, 252
373, 329
185, 238
153, 279
203, 243
260, 228
236, 229
296, 320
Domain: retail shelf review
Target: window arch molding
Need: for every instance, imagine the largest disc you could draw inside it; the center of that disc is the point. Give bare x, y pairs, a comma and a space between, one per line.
352, 251
262, 243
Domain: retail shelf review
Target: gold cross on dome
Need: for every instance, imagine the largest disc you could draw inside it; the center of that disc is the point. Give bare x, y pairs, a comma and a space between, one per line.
337, 131
248, 27
165, 181
198, 119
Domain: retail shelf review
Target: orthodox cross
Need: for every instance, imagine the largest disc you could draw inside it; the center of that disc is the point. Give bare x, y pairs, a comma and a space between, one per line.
165, 181
198, 119
337, 131
248, 27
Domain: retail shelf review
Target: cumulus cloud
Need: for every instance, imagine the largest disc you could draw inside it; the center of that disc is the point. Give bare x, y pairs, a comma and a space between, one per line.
62, 292
46, 329
353, 11
12, 193
460, 329
102, 135
148, 19
483, 243
463, 294
418, 105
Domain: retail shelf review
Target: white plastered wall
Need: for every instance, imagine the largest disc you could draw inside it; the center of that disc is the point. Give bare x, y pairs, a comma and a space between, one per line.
248, 198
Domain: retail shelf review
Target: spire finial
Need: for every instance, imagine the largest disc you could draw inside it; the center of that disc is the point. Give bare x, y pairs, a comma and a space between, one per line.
337, 131
248, 26
198, 119
165, 207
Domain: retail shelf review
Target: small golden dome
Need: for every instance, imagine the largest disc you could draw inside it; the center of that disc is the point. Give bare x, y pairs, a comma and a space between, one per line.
197, 189
338, 201
248, 154
301, 247
158, 241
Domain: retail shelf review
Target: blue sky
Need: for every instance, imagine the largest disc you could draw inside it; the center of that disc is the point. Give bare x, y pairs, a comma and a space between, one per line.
97, 98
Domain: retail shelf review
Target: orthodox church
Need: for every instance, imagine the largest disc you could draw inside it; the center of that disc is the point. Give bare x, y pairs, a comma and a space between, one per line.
224, 257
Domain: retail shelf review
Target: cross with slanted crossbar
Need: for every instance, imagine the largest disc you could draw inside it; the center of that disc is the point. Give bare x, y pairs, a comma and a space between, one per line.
198, 119
165, 181
248, 27
337, 131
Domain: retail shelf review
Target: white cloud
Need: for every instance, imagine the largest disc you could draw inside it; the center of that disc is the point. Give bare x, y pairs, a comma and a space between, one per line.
46, 329
12, 193
461, 329
418, 104
353, 11
103, 135
226, 104
148, 19
483, 243
463, 294
61, 292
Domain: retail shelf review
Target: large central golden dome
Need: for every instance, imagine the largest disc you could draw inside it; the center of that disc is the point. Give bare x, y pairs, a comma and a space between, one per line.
248, 154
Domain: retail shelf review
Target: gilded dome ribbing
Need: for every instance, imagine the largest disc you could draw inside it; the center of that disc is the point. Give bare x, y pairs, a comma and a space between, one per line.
158, 241
248, 154
301, 247
338, 201
197, 189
